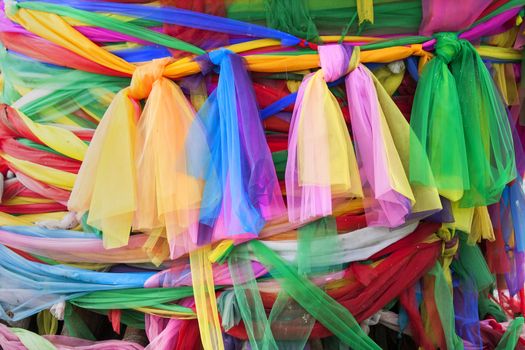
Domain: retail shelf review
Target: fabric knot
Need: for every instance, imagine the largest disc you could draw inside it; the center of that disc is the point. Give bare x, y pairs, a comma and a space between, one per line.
451, 248
445, 234
145, 75
447, 46
307, 44
450, 242
418, 50
335, 60
216, 56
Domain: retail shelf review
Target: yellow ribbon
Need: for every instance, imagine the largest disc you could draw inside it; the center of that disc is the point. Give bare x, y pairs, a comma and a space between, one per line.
365, 11
205, 300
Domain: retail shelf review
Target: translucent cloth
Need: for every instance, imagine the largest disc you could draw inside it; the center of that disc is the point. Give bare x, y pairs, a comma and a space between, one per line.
195, 200
442, 295
25, 16
465, 296
321, 163
478, 161
316, 302
30, 287
205, 301
291, 17
81, 246
444, 16
427, 200
490, 154
153, 179
370, 286
143, 299
352, 246
510, 338
163, 333
108, 171
168, 194
33, 88
333, 18
72, 246
248, 301
388, 196
429, 118
471, 265
506, 255
20, 339
164, 14
286, 312
288, 325
409, 301
241, 191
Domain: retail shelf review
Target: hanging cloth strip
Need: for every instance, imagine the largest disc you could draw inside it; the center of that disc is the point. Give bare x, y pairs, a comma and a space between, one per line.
388, 197
321, 163
242, 191
478, 160
147, 170
168, 190
205, 301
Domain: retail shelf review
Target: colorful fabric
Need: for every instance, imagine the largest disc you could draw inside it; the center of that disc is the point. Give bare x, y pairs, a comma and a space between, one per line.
266, 174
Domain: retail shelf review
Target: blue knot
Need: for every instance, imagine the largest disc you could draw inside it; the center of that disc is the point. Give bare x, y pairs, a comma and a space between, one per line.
216, 56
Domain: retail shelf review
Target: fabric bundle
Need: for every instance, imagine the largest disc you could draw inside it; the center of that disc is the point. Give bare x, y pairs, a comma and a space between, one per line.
264, 174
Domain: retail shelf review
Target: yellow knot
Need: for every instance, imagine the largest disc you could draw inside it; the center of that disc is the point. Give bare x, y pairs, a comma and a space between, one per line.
449, 249
418, 50
146, 75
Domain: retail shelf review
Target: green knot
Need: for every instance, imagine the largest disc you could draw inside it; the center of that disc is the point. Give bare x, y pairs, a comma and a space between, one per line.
447, 46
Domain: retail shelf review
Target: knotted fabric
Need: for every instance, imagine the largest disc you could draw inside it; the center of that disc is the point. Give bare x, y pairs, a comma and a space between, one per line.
461, 122
242, 191
321, 162
380, 133
135, 173
169, 192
